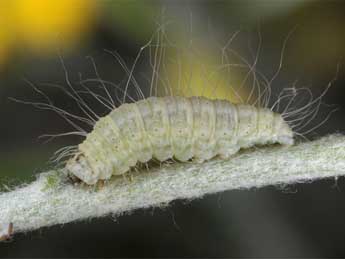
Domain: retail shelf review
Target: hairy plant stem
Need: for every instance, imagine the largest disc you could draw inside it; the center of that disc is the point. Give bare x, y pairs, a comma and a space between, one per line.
53, 199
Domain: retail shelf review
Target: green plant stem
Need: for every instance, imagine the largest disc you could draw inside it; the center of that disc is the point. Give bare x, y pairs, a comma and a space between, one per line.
52, 199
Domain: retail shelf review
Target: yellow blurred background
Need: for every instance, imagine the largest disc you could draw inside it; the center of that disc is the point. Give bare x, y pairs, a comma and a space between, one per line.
42, 26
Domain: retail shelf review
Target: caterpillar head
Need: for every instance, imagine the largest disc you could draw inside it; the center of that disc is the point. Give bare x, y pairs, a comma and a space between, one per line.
79, 167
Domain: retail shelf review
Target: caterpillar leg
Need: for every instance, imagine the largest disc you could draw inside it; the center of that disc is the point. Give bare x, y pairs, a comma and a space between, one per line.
198, 160
6, 234
228, 153
100, 184
128, 177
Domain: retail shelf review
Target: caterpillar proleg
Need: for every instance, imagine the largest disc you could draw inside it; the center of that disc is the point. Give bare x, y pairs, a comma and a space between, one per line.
173, 127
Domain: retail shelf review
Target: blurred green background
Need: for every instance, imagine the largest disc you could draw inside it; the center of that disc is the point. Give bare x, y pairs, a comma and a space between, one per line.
300, 220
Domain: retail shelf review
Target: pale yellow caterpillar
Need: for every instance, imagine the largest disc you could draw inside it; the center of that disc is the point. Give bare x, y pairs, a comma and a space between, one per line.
193, 128
173, 127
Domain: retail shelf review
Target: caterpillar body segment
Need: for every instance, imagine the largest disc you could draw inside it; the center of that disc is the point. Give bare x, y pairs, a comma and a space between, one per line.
173, 127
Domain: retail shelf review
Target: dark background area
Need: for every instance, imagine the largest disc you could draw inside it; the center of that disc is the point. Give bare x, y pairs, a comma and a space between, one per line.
303, 220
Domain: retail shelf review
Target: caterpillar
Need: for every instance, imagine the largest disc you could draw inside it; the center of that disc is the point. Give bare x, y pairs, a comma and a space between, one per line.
181, 125
183, 128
